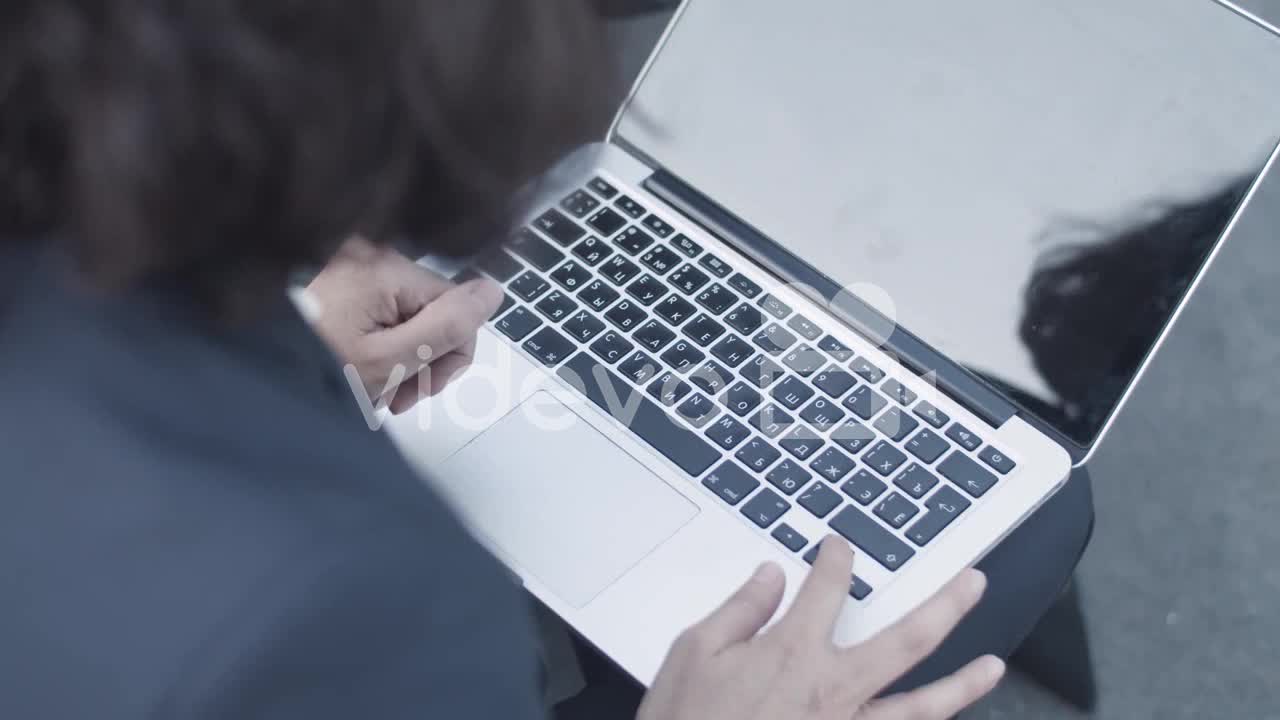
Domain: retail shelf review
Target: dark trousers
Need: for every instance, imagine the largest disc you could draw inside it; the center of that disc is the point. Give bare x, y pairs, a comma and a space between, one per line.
1027, 574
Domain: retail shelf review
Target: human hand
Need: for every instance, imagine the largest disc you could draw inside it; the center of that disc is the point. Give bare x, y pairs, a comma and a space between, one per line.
406, 330
720, 669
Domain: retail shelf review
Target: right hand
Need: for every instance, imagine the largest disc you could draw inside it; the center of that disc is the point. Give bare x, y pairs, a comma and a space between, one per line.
720, 669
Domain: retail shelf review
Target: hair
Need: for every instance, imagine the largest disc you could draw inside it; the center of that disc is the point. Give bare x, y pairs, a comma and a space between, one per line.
226, 143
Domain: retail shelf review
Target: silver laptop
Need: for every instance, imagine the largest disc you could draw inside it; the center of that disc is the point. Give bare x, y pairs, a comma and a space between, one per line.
876, 269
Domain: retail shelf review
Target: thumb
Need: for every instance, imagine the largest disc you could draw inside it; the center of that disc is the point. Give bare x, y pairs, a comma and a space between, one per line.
444, 325
746, 611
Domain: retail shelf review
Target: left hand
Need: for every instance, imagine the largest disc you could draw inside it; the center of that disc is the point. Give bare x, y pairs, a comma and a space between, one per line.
408, 331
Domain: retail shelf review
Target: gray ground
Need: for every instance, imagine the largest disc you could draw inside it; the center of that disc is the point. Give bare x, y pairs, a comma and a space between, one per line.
1181, 583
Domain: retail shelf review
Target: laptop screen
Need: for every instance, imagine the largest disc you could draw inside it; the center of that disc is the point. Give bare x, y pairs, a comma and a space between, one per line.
1028, 187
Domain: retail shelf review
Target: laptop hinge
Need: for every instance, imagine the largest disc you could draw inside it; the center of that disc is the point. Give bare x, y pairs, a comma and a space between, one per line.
915, 354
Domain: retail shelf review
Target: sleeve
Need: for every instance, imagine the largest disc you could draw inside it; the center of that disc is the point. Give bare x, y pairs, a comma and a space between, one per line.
397, 625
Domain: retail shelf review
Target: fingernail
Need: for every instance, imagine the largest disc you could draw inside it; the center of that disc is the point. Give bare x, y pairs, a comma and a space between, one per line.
993, 668
977, 581
483, 287
767, 573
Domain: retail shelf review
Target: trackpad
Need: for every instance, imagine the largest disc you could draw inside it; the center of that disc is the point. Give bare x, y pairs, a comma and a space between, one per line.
562, 501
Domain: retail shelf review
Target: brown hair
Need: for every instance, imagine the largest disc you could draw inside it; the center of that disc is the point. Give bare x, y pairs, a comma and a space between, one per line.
228, 142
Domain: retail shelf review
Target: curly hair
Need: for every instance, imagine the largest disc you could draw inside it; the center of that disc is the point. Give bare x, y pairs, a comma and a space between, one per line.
226, 143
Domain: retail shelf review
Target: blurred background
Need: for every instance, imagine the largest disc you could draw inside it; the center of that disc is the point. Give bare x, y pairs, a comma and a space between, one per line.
1182, 582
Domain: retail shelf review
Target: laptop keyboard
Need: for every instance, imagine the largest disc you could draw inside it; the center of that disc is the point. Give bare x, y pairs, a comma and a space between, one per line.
751, 399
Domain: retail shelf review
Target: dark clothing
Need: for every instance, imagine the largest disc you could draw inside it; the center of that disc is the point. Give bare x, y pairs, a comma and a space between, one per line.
196, 522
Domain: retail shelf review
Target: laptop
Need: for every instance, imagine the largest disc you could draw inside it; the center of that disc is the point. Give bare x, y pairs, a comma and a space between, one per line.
880, 270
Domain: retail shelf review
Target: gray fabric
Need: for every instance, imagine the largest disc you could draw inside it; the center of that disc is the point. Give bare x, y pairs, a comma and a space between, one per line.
195, 522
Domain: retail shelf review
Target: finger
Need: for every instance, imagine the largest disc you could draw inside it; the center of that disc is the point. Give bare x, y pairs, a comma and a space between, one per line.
821, 598
743, 614
446, 324
900, 647
943, 699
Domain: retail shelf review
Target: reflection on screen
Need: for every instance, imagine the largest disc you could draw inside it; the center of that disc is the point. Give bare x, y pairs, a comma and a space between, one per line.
1032, 184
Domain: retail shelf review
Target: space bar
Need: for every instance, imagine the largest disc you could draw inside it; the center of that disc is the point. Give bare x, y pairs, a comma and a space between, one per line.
631, 408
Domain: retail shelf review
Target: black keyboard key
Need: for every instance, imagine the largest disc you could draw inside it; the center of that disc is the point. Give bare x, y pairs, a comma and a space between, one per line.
838, 351
964, 437
549, 347
711, 378
804, 360
580, 203
930, 414
864, 487
790, 539
762, 371
927, 446
556, 306
697, 409
518, 323
788, 476
819, 499
832, 465
741, 399
675, 309
658, 226
716, 299
772, 421
853, 437
607, 222
874, 540
792, 393
571, 276
639, 368
896, 510
602, 188
688, 279
633, 240
757, 455
775, 307
629, 206
801, 442
884, 458
865, 402
732, 351
997, 460
619, 270
731, 483
774, 339
896, 424
727, 432
592, 251
660, 259
835, 382
536, 251
703, 330
583, 326
500, 266
859, 589
503, 307
556, 226
529, 287
967, 474
745, 319
687, 247
805, 327
648, 421
822, 414
745, 285
626, 315
647, 290
669, 389
899, 392
654, 336
941, 510
683, 356
766, 508
863, 368
715, 265
612, 347
465, 276
916, 481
